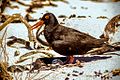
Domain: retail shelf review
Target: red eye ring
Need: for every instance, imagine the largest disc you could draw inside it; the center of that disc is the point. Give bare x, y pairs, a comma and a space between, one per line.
46, 17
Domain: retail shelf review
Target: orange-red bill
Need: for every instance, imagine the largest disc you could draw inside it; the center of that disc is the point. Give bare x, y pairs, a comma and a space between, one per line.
40, 23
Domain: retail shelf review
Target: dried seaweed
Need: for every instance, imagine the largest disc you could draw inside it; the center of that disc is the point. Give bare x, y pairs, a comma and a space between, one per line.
4, 75
12, 18
116, 72
102, 17
3, 46
36, 52
17, 68
111, 27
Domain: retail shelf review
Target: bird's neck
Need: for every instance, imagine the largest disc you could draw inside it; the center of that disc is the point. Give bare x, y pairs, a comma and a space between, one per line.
50, 28
48, 32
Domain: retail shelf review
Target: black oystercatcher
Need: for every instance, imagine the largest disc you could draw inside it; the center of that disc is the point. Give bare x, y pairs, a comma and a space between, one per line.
66, 41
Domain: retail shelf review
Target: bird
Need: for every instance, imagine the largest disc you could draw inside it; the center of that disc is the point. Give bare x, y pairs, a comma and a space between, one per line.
64, 40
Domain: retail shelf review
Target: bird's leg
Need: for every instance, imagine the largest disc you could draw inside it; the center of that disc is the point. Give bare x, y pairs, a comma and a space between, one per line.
70, 60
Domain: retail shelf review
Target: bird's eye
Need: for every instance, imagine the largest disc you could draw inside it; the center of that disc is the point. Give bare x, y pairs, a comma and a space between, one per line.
47, 17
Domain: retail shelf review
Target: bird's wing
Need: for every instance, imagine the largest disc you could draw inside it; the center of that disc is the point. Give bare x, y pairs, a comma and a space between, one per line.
62, 46
75, 37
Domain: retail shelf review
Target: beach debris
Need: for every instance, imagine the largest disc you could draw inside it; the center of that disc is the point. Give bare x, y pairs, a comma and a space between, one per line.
18, 16
41, 4
81, 16
38, 65
17, 68
17, 53
102, 17
116, 72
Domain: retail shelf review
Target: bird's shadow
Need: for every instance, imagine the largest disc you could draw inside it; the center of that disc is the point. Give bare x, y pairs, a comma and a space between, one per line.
83, 59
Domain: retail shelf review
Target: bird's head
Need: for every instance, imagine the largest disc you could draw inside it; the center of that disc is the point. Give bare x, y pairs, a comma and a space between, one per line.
47, 19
